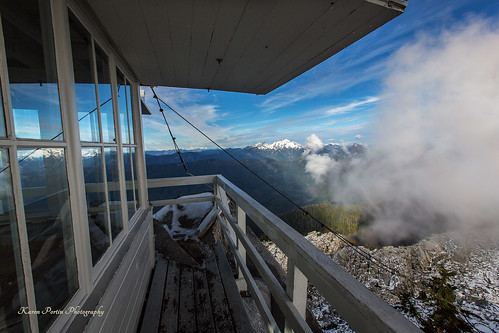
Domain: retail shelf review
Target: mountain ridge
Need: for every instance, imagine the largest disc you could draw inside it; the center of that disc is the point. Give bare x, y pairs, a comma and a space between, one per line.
281, 150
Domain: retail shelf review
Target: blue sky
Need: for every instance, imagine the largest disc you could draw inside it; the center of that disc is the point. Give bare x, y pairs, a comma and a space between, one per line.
336, 100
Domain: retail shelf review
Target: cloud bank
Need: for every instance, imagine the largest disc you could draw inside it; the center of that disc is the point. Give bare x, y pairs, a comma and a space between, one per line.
434, 159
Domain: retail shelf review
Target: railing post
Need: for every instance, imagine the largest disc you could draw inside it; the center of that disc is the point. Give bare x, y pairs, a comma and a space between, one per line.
220, 193
296, 288
241, 221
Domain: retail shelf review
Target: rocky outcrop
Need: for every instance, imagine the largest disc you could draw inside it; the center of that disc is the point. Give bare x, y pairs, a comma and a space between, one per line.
474, 257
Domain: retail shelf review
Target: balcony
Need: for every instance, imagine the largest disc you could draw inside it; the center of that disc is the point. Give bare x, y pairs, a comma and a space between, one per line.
363, 310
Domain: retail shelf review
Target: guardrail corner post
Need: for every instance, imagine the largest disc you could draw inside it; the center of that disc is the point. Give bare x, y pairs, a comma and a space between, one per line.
296, 288
241, 221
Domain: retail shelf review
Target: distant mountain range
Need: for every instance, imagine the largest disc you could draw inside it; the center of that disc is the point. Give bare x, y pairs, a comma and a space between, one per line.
283, 150
281, 163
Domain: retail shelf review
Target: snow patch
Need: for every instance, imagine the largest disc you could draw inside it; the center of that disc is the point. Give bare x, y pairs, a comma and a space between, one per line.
184, 217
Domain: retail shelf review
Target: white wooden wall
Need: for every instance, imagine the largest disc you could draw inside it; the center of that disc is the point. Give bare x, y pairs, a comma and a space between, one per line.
124, 297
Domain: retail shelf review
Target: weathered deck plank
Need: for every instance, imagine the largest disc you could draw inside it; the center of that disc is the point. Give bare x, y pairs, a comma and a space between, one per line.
204, 312
187, 309
169, 317
187, 299
221, 311
152, 312
238, 312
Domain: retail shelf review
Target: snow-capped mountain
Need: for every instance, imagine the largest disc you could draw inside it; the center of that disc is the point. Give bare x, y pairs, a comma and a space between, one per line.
281, 144
282, 150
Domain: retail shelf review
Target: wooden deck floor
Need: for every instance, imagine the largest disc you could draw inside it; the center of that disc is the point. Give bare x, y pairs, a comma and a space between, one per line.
188, 299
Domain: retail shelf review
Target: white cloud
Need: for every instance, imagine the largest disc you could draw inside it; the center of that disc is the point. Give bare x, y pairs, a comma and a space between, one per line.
351, 106
318, 166
314, 143
187, 102
436, 157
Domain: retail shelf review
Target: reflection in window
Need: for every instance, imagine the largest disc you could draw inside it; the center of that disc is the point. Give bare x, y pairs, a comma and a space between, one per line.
12, 295
30, 53
113, 186
129, 113
105, 99
3, 132
50, 231
81, 47
135, 183
96, 202
122, 101
129, 182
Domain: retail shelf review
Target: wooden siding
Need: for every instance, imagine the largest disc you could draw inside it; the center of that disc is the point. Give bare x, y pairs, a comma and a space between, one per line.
123, 299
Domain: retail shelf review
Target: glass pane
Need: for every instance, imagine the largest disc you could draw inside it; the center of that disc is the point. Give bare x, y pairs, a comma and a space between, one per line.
30, 53
135, 182
129, 182
3, 132
113, 186
129, 104
96, 202
125, 137
50, 230
105, 99
81, 48
12, 296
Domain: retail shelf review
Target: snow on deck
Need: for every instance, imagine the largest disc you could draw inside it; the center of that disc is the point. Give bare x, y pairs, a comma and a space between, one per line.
181, 219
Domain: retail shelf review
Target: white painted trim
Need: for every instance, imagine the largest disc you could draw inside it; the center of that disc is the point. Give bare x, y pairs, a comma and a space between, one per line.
140, 149
296, 288
285, 304
74, 171
117, 124
33, 143
241, 221
159, 203
180, 181
360, 307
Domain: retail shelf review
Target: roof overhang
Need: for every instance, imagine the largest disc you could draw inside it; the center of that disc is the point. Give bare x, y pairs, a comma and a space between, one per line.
251, 46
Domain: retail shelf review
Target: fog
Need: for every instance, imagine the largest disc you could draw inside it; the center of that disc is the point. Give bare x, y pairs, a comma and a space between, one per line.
433, 161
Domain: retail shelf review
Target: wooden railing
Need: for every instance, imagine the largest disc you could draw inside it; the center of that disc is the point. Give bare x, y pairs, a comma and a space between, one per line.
363, 310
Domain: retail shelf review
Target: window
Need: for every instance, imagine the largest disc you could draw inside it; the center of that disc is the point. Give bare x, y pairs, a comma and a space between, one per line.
50, 231
122, 105
113, 184
83, 64
127, 132
97, 207
132, 194
36, 213
105, 99
32, 73
42, 180
98, 135
12, 295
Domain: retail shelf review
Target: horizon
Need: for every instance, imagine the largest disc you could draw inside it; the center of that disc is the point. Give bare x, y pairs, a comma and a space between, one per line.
303, 145
339, 99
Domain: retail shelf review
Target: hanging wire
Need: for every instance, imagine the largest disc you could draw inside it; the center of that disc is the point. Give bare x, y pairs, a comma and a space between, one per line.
177, 149
174, 140
363, 253
358, 250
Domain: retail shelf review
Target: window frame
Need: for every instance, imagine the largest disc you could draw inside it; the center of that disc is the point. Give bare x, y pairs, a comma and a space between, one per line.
88, 275
12, 144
